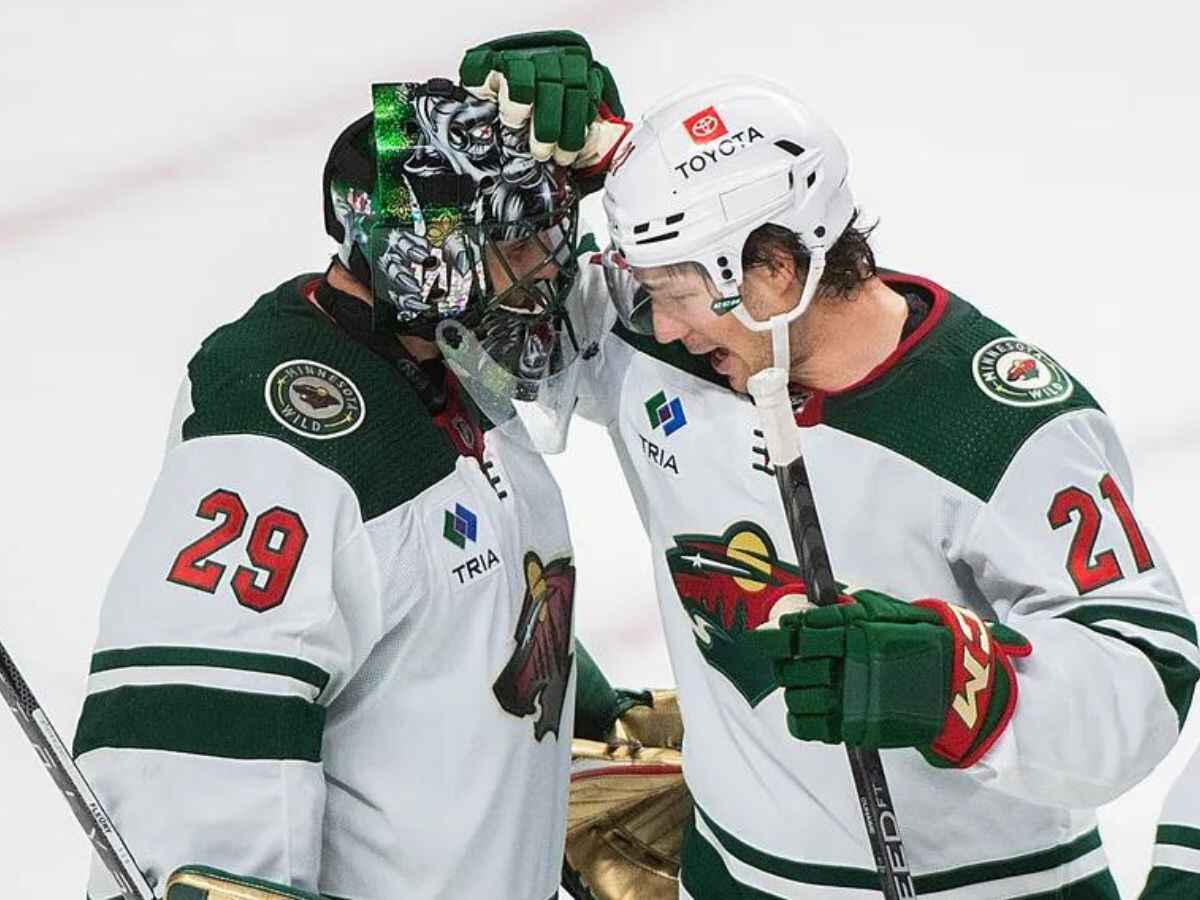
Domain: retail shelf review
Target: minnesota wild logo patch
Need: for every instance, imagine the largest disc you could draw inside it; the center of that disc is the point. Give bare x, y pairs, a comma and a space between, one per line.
1016, 373
314, 400
730, 585
534, 680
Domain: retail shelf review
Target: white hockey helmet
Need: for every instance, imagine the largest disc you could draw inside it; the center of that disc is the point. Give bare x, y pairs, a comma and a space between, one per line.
707, 167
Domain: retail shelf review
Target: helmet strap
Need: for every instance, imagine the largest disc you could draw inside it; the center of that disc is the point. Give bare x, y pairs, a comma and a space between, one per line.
780, 325
354, 317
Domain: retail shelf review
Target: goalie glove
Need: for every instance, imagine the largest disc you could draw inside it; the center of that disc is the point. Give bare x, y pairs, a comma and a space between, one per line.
626, 818
615, 715
875, 672
551, 75
203, 883
651, 719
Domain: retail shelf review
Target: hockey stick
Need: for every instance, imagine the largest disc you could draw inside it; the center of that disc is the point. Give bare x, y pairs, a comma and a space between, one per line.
769, 388
91, 815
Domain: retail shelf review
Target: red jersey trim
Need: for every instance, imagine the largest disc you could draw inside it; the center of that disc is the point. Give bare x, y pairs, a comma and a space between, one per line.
811, 412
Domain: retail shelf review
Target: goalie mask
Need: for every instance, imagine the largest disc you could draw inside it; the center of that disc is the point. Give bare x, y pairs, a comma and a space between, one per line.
466, 240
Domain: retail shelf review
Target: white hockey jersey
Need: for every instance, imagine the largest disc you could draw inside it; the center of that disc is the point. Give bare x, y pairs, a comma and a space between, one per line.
337, 653
1176, 871
971, 467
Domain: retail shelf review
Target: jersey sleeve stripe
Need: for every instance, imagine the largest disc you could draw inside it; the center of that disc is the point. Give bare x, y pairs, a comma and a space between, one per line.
1178, 625
1178, 859
1171, 884
1177, 672
267, 663
239, 680
1078, 858
1178, 836
203, 721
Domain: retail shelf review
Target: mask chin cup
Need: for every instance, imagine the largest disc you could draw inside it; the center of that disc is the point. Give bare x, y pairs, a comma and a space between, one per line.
534, 413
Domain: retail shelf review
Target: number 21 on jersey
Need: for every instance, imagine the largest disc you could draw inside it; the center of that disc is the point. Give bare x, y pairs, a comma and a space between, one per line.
1090, 570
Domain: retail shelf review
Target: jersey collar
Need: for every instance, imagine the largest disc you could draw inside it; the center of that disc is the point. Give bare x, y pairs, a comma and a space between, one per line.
811, 412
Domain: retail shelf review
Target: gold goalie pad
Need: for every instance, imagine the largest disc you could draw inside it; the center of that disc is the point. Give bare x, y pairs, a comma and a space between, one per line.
625, 822
202, 883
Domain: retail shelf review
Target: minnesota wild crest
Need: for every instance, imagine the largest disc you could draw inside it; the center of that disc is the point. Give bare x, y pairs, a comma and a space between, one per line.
729, 586
535, 677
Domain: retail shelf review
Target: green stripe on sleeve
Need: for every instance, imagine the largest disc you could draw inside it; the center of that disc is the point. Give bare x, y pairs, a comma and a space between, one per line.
1099, 886
707, 863
703, 873
267, 663
203, 721
1180, 626
808, 873
1178, 836
1177, 674
1026, 864
1166, 883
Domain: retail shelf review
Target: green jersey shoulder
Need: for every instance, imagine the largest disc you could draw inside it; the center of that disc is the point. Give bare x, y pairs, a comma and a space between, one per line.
960, 396
284, 371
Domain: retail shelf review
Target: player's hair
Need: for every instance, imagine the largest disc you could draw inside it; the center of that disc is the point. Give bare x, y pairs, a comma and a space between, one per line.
849, 262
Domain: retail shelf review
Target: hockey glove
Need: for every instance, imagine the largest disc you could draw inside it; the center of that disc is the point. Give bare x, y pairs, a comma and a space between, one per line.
875, 672
576, 108
626, 817
203, 883
617, 715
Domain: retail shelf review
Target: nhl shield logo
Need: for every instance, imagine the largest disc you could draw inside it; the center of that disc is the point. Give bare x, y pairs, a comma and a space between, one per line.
314, 400
1017, 373
535, 678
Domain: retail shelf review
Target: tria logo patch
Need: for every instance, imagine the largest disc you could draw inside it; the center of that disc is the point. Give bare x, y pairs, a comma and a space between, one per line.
664, 413
1017, 373
535, 678
476, 566
460, 526
314, 400
664, 459
705, 126
730, 585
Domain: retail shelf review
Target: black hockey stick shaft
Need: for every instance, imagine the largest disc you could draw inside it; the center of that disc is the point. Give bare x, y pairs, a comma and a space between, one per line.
769, 389
79, 796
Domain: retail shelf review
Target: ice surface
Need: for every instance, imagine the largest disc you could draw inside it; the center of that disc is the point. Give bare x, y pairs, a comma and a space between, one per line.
161, 169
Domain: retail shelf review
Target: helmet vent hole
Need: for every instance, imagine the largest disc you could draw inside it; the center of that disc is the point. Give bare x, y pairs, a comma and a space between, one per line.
819, 231
641, 229
791, 147
671, 220
812, 178
659, 237
727, 274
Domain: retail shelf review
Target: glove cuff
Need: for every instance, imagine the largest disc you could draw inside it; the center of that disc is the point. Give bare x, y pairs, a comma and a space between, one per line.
983, 686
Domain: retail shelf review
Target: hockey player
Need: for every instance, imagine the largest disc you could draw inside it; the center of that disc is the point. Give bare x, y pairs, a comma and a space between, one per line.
337, 653
1176, 871
963, 477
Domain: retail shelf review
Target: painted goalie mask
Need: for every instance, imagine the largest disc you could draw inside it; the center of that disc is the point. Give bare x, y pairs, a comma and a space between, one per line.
465, 239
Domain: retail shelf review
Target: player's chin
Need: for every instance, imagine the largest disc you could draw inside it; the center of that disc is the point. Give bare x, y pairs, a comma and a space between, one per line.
732, 367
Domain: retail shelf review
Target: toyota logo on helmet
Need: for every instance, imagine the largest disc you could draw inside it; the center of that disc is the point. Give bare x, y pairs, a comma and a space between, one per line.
705, 126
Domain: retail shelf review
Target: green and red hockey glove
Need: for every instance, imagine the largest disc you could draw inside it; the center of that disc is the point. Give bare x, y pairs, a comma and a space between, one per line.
551, 75
875, 672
